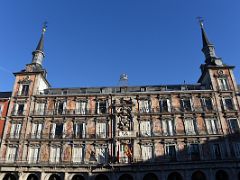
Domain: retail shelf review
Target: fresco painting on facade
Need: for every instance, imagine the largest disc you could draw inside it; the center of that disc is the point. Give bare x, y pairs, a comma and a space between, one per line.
186, 131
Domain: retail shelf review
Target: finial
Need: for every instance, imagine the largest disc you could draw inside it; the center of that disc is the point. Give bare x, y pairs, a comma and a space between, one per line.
44, 28
200, 20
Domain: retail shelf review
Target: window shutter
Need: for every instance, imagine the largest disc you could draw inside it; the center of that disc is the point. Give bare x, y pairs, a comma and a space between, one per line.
53, 130
36, 150
13, 128
164, 128
169, 105
18, 129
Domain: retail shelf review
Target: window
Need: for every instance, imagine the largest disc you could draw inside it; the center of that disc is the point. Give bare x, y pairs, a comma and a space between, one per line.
23, 90
101, 129
147, 152
145, 128
207, 104
36, 130
223, 85
11, 154
33, 154
80, 130
236, 147
101, 107
212, 126
168, 127
61, 107
77, 154
40, 107
165, 105
56, 130
189, 127
186, 105
144, 106
170, 151
194, 152
234, 126
54, 154
81, 107
15, 130
18, 109
101, 155
216, 151
228, 104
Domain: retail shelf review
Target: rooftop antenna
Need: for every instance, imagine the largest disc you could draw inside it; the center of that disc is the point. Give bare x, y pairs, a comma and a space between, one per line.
123, 81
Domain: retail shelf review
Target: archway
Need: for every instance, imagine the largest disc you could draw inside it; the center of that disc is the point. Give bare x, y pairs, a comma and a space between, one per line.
78, 177
174, 176
125, 177
150, 176
32, 177
54, 177
198, 175
9, 176
101, 177
221, 175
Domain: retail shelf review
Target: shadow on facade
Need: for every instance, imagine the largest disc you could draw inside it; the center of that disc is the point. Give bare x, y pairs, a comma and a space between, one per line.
224, 161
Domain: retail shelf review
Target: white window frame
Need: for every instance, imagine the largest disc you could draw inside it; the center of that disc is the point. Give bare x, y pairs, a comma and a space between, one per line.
183, 104
167, 150
77, 152
168, 127
168, 105
101, 154
101, 129
225, 106
212, 126
189, 126
33, 155
55, 154
205, 105
146, 152
144, 106
77, 131
15, 130
36, 130
11, 154
145, 128
223, 84
81, 107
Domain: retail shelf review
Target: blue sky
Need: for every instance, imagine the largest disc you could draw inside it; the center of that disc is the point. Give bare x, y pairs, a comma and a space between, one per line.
91, 42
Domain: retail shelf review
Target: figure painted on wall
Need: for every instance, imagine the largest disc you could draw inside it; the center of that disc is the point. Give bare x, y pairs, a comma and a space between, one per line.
69, 129
156, 127
91, 129
44, 153
67, 153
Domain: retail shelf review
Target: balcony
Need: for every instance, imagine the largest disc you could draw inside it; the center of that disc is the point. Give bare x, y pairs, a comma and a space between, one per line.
67, 112
18, 113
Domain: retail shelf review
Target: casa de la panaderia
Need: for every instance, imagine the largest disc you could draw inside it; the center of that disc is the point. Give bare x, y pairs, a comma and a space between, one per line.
160, 132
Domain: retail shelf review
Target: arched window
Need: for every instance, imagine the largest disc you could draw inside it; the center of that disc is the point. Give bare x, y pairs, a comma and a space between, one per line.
9, 177
221, 175
150, 176
32, 177
54, 177
78, 177
174, 176
101, 177
198, 175
126, 177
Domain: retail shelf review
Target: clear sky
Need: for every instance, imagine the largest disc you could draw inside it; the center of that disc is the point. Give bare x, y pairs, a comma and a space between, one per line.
91, 42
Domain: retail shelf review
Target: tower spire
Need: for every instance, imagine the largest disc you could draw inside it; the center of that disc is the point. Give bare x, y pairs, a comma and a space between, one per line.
208, 48
38, 54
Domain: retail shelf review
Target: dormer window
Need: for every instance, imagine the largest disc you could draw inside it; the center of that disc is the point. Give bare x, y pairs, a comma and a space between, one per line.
23, 90
223, 84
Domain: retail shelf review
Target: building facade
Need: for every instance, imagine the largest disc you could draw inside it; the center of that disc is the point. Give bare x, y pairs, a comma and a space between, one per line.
177, 132
4, 102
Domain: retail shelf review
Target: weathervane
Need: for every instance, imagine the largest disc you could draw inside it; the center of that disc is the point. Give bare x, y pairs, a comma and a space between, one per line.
44, 28
200, 20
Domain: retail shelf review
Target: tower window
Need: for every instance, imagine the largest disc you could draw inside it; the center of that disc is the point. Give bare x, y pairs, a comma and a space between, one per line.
223, 84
